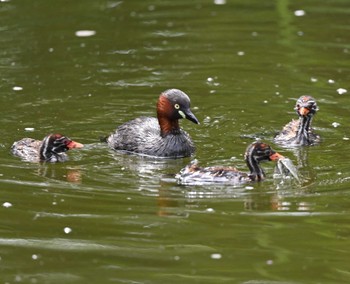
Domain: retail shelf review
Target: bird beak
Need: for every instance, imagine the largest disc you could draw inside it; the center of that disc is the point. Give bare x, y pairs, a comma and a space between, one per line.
73, 144
189, 115
276, 156
304, 111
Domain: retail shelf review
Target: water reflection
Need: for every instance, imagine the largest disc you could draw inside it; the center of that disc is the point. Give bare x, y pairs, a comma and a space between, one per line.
171, 204
70, 173
263, 202
146, 167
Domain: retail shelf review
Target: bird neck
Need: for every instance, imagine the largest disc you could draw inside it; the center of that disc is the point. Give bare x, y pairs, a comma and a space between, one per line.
168, 126
303, 130
45, 149
256, 172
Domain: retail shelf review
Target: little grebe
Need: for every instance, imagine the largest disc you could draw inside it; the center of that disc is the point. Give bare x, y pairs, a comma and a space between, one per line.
256, 152
51, 149
160, 137
299, 132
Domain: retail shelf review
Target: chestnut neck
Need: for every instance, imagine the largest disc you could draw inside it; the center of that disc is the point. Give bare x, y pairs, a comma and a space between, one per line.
168, 125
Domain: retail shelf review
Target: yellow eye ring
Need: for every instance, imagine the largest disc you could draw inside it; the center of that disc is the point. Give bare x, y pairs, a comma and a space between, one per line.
177, 106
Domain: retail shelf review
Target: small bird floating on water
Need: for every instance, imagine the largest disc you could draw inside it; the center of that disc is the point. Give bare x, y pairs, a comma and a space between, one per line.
51, 149
159, 137
256, 152
299, 132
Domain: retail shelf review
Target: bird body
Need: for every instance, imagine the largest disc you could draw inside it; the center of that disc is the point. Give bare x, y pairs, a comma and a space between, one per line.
51, 149
159, 137
299, 132
256, 152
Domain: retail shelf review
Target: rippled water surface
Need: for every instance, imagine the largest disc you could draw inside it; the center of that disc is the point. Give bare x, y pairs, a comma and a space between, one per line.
83, 67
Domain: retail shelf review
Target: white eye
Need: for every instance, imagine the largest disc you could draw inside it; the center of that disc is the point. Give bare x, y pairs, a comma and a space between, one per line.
177, 106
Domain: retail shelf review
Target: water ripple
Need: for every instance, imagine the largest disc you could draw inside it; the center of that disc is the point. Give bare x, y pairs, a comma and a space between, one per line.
137, 83
56, 244
169, 34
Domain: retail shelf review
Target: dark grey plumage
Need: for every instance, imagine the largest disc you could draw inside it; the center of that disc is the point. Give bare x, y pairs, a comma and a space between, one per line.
148, 141
160, 137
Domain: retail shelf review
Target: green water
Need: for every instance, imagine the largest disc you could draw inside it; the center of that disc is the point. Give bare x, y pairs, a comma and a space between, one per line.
104, 217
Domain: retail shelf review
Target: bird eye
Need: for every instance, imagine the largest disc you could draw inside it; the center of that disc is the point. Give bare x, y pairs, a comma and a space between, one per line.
177, 106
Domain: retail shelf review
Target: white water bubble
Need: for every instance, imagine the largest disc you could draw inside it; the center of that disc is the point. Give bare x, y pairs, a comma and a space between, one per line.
206, 119
346, 138
299, 13
211, 210
215, 256
331, 81
313, 80
240, 53
7, 204
85, 33
34, 256
335, 124
17, 88
67, 230
341, 91
219, 2
30, 129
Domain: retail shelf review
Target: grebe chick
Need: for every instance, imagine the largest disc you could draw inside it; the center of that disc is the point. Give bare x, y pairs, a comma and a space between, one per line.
256, 152
158, 137
51, 149
299, 132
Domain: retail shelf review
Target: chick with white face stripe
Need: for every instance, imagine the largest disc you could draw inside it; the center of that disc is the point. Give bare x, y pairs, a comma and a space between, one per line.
52, 148
299, 132
255, 153
306, 106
